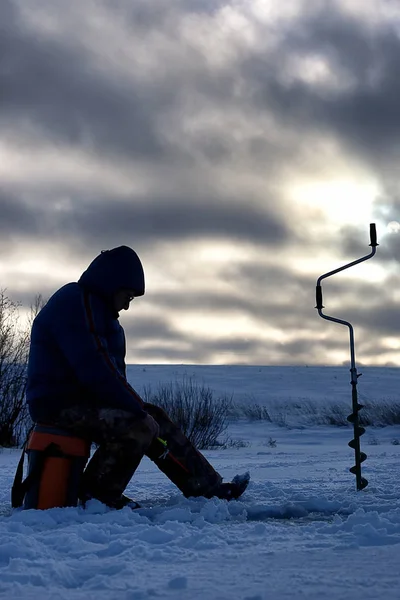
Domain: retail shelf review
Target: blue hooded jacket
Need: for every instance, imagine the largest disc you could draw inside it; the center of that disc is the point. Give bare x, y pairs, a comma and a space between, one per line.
77, 351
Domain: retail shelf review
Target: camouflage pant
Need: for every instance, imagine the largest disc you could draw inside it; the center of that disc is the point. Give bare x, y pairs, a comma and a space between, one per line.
123, 440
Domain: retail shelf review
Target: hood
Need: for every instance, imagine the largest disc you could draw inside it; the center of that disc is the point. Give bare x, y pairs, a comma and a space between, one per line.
112, 270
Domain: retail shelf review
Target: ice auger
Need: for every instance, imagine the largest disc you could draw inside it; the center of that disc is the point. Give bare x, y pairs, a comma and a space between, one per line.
353, 417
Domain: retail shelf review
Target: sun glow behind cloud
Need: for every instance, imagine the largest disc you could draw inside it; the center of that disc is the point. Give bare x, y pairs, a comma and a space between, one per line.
340, 200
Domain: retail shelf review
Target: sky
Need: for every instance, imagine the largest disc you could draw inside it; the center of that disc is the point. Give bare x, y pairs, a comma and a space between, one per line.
241, 148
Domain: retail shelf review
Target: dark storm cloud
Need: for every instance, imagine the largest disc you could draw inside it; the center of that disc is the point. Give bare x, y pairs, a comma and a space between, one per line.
60, 90
157, 15
191, 347
364, 114
390, 250
147, 222
55, 86
367, 305
305, 348
380, 319
168, 220
16, 217
34, 286
287, 292
149, 328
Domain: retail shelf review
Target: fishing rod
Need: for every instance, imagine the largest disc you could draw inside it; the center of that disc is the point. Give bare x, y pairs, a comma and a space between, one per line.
353, 418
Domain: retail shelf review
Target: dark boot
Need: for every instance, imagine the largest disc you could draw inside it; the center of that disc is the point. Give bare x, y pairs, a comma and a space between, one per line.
232, 490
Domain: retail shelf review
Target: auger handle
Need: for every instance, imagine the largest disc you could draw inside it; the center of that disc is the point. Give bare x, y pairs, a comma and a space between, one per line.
372, 235
318, 291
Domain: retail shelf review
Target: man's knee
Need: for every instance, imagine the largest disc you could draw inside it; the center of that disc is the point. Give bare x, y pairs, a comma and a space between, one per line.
122, 426
115, 420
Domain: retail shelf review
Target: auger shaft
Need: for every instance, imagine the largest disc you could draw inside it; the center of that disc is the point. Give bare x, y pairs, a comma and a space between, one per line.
360, 457
358, 432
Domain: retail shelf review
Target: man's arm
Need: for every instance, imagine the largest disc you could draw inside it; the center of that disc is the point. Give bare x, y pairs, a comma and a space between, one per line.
79, 335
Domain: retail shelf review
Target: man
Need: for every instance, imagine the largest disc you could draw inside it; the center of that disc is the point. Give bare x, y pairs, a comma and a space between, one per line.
77, 381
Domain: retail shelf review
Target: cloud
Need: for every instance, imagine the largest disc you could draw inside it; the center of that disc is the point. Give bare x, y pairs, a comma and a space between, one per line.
53, 85
324, 72
333, 74
16, 217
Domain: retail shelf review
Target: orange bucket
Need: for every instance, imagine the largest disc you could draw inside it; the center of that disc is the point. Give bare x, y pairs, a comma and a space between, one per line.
56, 460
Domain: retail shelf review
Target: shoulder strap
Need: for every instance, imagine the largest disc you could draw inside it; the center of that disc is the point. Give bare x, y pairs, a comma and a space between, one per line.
17, 495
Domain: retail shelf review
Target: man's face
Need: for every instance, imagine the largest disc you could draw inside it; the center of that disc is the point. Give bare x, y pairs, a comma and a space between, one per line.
122, 299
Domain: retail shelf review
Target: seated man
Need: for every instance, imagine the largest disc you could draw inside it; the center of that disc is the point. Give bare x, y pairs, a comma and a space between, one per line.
77, 381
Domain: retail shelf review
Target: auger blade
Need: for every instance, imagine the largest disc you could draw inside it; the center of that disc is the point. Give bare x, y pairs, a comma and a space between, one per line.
351, 418
354, 469
353, 443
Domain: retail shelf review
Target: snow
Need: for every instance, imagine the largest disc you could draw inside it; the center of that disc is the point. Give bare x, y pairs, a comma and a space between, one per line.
300, 530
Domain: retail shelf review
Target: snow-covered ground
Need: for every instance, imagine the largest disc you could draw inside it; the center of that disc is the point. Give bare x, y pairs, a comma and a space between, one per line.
300, 530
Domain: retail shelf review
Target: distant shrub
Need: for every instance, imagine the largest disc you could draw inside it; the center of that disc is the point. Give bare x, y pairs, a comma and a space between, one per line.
13, 360
380, 413
308, 412
14, 350
193, 407
229, 443
256, 412
335, 414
